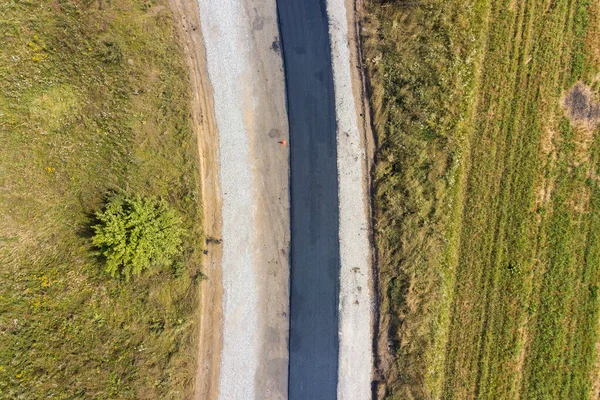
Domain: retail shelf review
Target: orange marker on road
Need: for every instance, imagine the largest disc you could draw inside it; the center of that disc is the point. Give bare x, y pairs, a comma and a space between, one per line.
283, 142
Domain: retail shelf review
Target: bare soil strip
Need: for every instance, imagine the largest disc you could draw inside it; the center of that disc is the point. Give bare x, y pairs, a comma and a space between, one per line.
186, 15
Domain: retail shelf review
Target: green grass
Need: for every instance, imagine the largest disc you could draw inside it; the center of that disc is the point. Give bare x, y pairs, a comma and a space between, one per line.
94, 100
486, 200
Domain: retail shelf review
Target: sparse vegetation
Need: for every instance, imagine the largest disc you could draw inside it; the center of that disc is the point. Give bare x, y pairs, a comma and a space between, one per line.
94, 100
486, 198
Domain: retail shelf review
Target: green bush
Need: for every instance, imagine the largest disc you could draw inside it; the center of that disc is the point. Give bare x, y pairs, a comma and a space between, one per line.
137, 233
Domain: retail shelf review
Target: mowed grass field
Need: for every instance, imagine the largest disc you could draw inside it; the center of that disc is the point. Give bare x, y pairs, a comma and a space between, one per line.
93, 100
487, 197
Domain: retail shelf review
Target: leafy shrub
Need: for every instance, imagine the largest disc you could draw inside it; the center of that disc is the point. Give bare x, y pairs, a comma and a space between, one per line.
112, 53
137, 233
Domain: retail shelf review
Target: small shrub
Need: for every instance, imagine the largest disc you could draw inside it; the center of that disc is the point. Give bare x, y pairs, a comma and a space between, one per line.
112, 53
137, 233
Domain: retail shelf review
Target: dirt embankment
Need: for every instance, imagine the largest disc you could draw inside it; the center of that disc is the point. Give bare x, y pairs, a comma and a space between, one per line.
187, 21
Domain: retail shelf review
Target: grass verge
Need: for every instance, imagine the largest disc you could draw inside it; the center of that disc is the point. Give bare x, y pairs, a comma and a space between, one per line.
95, 99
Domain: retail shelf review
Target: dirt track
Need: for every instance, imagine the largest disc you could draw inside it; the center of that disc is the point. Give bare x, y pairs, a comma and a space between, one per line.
186, 14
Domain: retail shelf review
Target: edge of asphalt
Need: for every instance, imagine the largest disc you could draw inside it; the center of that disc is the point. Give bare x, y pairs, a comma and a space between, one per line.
355, 153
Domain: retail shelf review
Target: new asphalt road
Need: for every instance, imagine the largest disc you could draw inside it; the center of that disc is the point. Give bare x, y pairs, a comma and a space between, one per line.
315, 259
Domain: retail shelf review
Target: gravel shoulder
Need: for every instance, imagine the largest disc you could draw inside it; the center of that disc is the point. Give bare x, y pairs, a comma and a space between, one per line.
245, 70
353, 155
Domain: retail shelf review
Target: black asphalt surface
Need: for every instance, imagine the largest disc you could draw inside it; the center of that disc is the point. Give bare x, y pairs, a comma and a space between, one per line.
315, 259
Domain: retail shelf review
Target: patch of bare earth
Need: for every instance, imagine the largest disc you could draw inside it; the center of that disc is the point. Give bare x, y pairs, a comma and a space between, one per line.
582, 107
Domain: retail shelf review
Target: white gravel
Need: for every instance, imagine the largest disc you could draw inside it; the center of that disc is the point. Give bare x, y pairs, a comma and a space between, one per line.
355, 324
246, 74
226, 45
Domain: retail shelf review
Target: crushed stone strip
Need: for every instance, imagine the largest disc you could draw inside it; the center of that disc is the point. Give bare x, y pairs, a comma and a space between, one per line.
355, 324
227, 45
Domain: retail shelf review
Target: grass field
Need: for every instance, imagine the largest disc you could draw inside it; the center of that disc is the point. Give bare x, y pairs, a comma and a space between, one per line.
94, 99
487, 197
